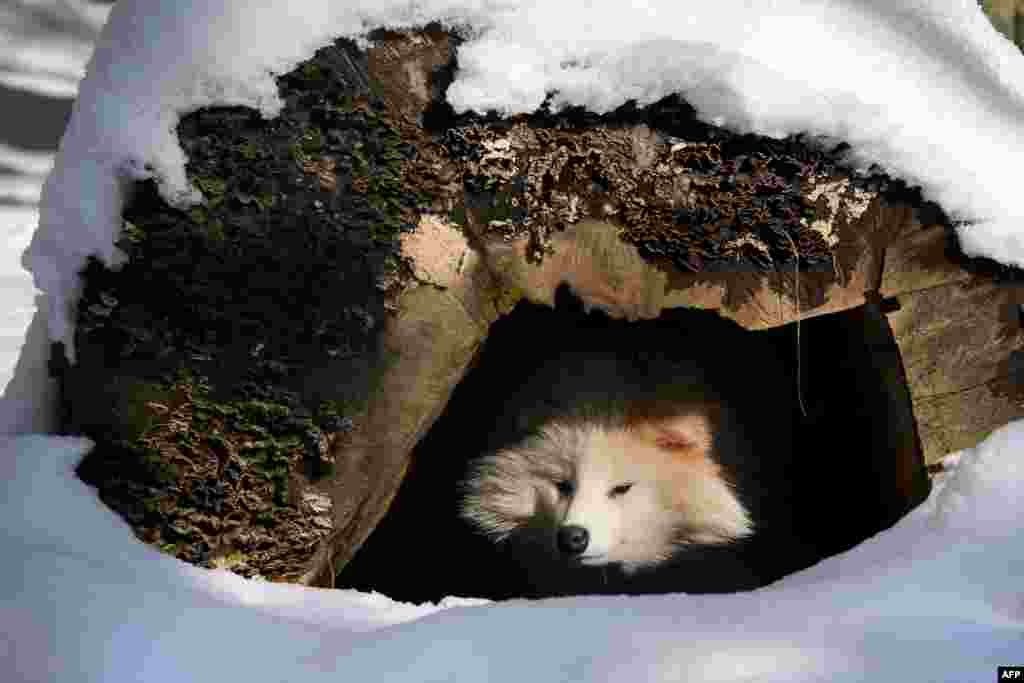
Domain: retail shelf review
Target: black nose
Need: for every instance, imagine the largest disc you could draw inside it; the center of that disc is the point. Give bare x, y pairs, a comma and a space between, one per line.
572, 540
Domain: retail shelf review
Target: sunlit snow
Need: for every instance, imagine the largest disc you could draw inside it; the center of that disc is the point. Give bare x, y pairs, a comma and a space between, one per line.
927, 89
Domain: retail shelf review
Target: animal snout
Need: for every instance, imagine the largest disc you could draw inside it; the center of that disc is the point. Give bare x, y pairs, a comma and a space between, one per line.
572, 539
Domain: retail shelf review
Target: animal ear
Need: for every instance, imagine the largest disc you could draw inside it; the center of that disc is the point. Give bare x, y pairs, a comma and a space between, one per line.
682, 434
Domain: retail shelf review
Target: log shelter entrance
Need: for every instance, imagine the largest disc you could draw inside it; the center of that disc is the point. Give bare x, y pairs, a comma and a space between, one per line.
860, 461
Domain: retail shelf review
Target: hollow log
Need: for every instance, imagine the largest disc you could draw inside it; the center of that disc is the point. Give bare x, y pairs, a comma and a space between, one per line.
258, 372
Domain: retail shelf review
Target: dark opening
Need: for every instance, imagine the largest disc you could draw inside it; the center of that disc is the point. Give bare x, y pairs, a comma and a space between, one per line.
847, 469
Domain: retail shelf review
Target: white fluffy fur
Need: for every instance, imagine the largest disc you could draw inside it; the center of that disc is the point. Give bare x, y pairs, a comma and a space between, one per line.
678, 494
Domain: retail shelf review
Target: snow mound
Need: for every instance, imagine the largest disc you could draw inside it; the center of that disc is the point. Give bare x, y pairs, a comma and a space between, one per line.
937, 597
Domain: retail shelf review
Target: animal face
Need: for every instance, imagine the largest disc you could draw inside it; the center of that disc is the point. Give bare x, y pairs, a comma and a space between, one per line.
633, 494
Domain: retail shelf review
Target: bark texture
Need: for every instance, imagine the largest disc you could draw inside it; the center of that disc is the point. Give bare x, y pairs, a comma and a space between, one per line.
259, 371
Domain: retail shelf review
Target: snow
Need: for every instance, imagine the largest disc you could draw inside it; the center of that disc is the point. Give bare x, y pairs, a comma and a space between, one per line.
937, 598
44, 47
26, 392
926, 88
46, 44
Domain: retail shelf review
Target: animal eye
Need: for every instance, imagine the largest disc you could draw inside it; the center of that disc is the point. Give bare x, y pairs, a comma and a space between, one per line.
565, 487
619, 490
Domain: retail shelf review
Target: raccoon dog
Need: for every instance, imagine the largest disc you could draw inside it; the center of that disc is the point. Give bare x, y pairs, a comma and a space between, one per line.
634, 461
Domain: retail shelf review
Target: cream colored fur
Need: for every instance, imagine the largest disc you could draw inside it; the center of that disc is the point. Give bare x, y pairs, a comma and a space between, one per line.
678, 496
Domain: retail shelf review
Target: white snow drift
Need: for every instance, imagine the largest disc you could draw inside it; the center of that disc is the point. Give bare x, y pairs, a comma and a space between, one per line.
925, 88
